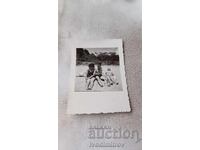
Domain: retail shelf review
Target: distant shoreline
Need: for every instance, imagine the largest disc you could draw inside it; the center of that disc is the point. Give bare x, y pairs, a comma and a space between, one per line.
110, 63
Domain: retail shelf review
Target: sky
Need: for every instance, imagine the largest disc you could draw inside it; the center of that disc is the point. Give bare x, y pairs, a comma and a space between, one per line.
98, 50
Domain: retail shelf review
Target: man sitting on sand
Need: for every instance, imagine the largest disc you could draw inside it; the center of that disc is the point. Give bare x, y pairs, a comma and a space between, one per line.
99, 74
93, 75
90, 76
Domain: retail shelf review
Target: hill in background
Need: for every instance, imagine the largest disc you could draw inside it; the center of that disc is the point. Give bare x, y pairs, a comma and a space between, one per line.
83, 56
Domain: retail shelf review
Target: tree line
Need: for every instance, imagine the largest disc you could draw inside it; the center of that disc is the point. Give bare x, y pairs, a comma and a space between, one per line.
106, 58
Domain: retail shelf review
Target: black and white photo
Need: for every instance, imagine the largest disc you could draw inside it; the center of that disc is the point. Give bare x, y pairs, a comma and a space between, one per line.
97, 69
98, 79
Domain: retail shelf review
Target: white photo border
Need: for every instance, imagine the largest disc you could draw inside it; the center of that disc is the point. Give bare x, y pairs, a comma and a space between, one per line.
98, 102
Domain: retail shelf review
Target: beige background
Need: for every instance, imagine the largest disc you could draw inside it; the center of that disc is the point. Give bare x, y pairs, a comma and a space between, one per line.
93, 20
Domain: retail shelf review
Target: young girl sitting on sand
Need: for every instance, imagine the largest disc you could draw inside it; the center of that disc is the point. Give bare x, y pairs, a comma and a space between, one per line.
110, 77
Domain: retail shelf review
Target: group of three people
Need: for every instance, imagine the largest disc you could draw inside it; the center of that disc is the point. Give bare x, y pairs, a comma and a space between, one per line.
97, 75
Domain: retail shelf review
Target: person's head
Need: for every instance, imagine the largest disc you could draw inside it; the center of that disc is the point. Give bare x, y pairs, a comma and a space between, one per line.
91, 66
108, 69
99, 65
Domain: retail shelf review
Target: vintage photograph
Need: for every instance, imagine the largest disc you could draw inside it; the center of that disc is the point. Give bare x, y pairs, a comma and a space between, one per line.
97, 70
98, 78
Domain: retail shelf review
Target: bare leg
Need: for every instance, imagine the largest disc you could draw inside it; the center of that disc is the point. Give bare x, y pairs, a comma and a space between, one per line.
88, 82
92, 82
99, 81
109, 80
114, 80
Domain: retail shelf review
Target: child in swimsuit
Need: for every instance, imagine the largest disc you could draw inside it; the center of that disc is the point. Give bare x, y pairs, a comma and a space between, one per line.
111, 78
